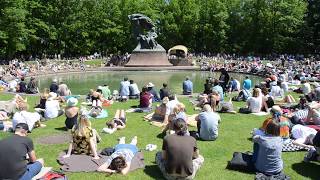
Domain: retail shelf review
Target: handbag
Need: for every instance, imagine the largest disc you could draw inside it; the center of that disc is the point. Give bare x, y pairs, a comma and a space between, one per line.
241, 162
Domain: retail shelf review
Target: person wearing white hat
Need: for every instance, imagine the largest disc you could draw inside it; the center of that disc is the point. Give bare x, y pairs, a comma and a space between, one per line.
52, 107
153, 92
71, 112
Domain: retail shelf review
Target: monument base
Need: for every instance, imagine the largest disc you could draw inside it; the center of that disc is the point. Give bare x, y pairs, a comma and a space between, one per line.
148, 59
180, 62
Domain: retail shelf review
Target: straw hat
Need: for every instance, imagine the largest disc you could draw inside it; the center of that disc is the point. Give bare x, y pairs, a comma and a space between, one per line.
72, 102
276, 109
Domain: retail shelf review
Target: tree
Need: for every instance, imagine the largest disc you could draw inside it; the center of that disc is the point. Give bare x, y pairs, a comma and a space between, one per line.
13, 32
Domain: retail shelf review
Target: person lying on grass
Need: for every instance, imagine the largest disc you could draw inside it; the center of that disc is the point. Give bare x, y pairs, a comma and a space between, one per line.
120, 160
117, 123
84, 139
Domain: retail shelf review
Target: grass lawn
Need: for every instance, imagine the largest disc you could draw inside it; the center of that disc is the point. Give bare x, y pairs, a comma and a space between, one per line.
234, 134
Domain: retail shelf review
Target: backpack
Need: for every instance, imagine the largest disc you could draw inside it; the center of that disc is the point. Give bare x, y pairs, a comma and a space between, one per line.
241, 162
54, 175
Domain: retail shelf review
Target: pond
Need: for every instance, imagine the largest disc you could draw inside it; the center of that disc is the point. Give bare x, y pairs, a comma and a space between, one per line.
80, 83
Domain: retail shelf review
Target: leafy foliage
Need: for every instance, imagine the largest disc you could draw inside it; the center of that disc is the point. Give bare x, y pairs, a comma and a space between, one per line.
82, 27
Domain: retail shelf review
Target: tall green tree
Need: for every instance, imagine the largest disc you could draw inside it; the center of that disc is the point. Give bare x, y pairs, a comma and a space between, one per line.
13, 32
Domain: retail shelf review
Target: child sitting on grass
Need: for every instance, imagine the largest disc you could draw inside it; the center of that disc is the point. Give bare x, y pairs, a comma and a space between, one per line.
118, 122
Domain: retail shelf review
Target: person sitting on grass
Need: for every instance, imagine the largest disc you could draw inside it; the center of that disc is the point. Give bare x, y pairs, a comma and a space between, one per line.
187, 86
164, 91
134, 90
255, 102
153, 92
170, 109
145, 98
84, 139
180, 158
178, 113
120, 160
207, 124
13, 156
32, 119
43, 99
96, 98
160, 110
118, 122
267, 151
71, 112
52, 109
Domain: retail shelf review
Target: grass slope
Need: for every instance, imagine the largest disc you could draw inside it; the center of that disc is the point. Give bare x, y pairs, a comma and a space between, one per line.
234, 132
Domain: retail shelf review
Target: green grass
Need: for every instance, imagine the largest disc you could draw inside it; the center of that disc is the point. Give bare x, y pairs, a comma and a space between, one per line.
234, 134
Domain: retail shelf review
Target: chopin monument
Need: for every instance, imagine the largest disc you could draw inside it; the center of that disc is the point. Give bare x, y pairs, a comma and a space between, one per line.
148, 52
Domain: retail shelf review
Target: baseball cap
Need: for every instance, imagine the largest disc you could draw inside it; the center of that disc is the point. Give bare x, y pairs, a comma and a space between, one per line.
22, 126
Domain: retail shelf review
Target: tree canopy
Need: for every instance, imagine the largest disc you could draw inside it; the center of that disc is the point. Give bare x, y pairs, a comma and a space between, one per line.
82, 27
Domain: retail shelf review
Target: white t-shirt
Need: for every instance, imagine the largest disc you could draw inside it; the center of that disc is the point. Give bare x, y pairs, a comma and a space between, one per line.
170, 106
300, 132
306, 88
135, 89
285, 86
255, 104
25, 117
52, 108
276, 92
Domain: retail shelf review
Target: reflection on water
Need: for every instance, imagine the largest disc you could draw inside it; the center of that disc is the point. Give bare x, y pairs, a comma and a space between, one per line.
80, 83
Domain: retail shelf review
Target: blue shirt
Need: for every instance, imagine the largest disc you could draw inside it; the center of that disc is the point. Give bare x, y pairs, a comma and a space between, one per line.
124, 88
247, 84
219, 89
269, 159
187, 86
209, 125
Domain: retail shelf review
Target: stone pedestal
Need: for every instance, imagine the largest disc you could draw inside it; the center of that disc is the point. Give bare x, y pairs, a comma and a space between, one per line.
148, 58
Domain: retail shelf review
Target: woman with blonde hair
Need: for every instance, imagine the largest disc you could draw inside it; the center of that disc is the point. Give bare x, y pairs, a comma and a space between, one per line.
32, 119
255, 102
84, 139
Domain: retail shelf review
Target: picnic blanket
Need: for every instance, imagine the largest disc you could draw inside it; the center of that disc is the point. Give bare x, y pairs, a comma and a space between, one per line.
85, 163
54, 139
103, 114
288, 146
140, 110
158, 122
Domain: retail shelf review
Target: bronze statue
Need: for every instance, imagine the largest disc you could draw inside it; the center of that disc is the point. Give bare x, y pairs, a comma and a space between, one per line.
141, 24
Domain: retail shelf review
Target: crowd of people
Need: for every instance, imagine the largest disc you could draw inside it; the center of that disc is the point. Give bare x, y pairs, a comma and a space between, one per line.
289, 120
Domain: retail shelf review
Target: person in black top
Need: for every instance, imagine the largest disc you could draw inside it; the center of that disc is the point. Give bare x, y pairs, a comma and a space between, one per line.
164, 91
22, 86
13, 156
224, 79
54, 86
207, 87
